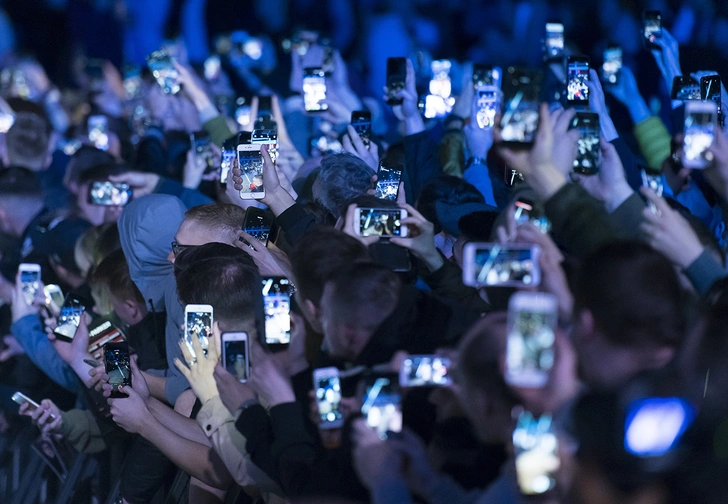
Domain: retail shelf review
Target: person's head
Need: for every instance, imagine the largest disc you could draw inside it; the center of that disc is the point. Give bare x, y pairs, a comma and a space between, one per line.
318, 257
97, 214
354, 304
485, 396
209, 223
27, 142
21, 199
84, 159
59, 244
443, 196
628, 313
224, 277
112, 274
341, 178
452, 153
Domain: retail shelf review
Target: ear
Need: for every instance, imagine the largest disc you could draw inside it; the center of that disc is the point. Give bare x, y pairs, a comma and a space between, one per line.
312, 309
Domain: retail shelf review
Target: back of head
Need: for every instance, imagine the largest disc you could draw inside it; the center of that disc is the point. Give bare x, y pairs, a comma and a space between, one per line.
341, 178
634, 295
27, 142
85, 158
319, 256
100, 173
445, 191
19, 182
225, 219
113, 274
222, 276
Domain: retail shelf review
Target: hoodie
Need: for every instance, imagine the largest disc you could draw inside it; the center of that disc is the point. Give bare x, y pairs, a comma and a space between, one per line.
146, 229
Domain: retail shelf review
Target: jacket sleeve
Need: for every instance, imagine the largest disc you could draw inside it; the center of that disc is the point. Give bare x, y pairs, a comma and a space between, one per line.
704, 272
447, 282
80, 429
654, 141
190, 197
255, 426
421, 162
295, 222
628, 216
218, 129
29, 334
151, 156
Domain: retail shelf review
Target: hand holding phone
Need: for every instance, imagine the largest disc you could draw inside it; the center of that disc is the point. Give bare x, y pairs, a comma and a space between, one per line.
383, 222
70, 317
109, 193
388, 180
328, 397
198, 324
651, 29
250, 162
118, 367
701, 120
30, 281
577, 92
277, 305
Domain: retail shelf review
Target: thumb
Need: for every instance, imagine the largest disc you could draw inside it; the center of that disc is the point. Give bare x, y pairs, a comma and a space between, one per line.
129, 391
135, 371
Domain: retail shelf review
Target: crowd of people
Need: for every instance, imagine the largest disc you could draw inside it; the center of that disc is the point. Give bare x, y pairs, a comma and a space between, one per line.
303, 267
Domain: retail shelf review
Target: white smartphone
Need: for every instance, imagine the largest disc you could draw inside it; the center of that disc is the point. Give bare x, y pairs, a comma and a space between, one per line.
328, 397
532, 321
235, 354
21, 398
53, 298
701, 119
424, 371
198, 324
384, 222
30, 280
251, 167
277, 305
496, 265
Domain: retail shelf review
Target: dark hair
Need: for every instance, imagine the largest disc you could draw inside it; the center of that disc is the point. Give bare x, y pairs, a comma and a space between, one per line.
365, 293
224, 217
27, 141
369, 201
21, 182
85, 158
108, 241
113, 273
320, 214
446, 189
222, 276
341, 178
633, 293
319, 256
101, 173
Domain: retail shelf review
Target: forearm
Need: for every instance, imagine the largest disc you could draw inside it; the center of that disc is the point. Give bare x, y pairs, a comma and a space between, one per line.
156, 385
546, 181
80, 429
414, 125
179, 424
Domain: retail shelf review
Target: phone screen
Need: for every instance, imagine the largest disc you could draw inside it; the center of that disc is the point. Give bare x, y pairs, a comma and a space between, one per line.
589, 156
396, 77
653, 426
685, 88
526, 212
30, 281
710, 90
536, 450
53, 298
132, 81
118, 369
251, 168
328, 398
499, 265
425, 370
164, 72
198, 325
71, 311
277, 305
612, 64
257, 224
201, 143
235, 357
699, 135
484, 75
382, 406
362, 123
487, 107
521, 97
388, 179
440, 84
652, 28
554, 39
109, 194
269, 137
314, 90
212, 67
380, 222
98, 131
226, 164
578, 75
530, 347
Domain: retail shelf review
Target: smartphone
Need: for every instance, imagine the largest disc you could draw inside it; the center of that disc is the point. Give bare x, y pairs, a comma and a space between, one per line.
496, 265
654, 425
265, 106
701, 119
53, 299
235, 351
266, 136
384, 222
132, 81
314, 90
710, 90
101, 332
212, 67
118, 368
527, 211
325, 145
519, 122
164, 72
651, 29
535, 446
6, 121
396, 78
382, 405
198, 324
328, 397
577, 92
485, 75
250, 161
109, 194
589, 156
243, 115
98, 131
361, 120
440, 84
425, 371
201, 144
70, 317
532, 321
388, 180
20, 398
554, 42
229, 151
29, 280
487, 104
685, 88
277, 305
612, 64
435, 106
258, 224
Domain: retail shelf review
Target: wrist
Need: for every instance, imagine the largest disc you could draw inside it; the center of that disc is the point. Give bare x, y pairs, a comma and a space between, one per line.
279, 201
282, 397
618, 195
433, 261
639, 111
414, 124
689, 255
546, 181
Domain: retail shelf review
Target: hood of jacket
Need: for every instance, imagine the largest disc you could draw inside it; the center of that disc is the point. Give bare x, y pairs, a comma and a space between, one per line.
147, 227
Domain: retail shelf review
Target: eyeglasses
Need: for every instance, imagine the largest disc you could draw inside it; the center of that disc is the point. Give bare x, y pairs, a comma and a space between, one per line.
177, 248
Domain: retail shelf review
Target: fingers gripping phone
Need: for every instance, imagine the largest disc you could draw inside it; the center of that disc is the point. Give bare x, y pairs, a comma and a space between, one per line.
198, 324
396, 78
250, 161
496, 265
532, 320
109, 194
384, 222
388, 180
118, 367
277, 305
20, 399
70, 317
235, 351
29, 280
314, 90
328, 397
701, 119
